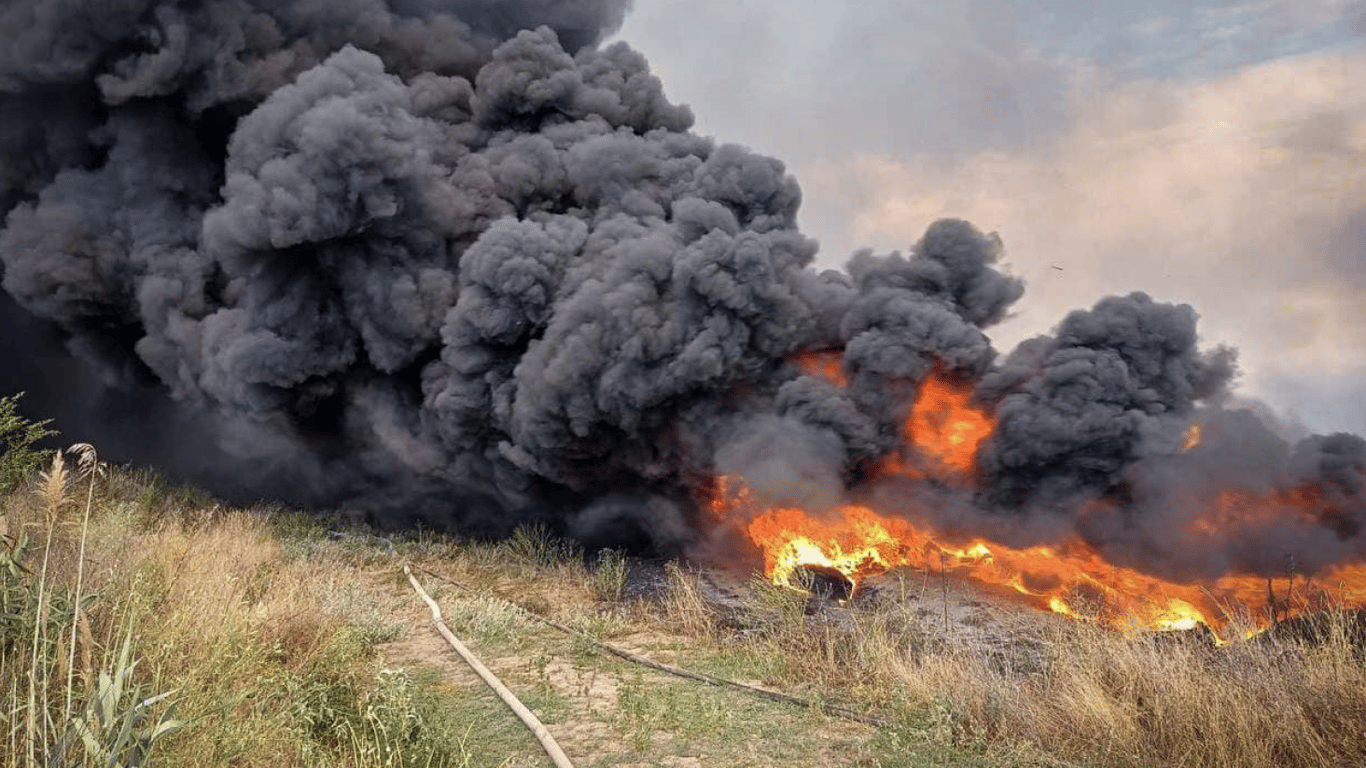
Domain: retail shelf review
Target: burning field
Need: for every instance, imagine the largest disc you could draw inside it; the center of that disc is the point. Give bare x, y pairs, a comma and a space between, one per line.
1068, 575
457, 264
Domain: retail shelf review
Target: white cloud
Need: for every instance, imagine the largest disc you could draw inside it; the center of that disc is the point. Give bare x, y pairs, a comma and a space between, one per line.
1244, 196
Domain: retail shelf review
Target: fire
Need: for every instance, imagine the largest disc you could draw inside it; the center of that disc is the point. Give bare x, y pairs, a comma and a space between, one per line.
943, 434
1070, 579
1191, 438
945, 426
855, 546
825, 364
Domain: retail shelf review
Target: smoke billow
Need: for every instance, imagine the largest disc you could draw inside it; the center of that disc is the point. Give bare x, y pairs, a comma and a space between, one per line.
456, 262
1075, 411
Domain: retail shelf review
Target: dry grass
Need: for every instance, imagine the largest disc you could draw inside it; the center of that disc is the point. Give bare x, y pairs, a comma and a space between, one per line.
1079, 695
1160, 701
683, 604
198, 631
262, 628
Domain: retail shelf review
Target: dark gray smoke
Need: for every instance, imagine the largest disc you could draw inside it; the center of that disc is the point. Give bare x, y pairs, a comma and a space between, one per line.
453, 262
1077, 409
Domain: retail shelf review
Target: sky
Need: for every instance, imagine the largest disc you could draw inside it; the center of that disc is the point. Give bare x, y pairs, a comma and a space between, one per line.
1208, 152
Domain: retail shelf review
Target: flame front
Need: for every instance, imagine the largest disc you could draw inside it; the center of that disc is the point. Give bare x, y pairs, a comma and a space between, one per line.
854, 546
1071, 579
943, 434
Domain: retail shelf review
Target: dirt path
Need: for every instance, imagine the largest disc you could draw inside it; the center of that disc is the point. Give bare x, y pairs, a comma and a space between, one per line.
604, 711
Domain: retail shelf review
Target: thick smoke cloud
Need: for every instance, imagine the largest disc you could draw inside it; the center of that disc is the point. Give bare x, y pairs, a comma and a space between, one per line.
1077, 409
915, 315
450, 258
455, 263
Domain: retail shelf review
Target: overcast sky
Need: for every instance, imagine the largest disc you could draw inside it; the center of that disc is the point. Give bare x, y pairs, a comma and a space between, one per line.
1207, 152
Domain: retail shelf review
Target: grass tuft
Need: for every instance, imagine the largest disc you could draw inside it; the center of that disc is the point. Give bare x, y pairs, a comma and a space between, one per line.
610, 571
536, 545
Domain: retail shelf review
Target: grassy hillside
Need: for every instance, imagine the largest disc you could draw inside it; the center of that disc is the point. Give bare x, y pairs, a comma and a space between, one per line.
142, 623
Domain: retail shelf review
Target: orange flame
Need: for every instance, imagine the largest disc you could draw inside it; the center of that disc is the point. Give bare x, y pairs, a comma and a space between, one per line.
1192, 436
945, 426
1069, 579
943, 434
825, 364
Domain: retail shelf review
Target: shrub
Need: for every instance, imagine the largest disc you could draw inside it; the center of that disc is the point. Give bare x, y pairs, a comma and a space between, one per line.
18, 459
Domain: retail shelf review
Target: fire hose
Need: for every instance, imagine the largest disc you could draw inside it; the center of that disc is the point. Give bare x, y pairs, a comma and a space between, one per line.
548, 742
721, 682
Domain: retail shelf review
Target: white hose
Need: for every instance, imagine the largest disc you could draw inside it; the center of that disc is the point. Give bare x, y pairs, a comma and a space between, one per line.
552, 747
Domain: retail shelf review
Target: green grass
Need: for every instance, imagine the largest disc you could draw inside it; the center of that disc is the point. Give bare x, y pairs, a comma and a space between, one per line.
18, 457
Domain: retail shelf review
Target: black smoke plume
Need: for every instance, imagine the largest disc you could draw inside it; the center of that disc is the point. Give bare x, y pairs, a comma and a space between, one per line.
455, 262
